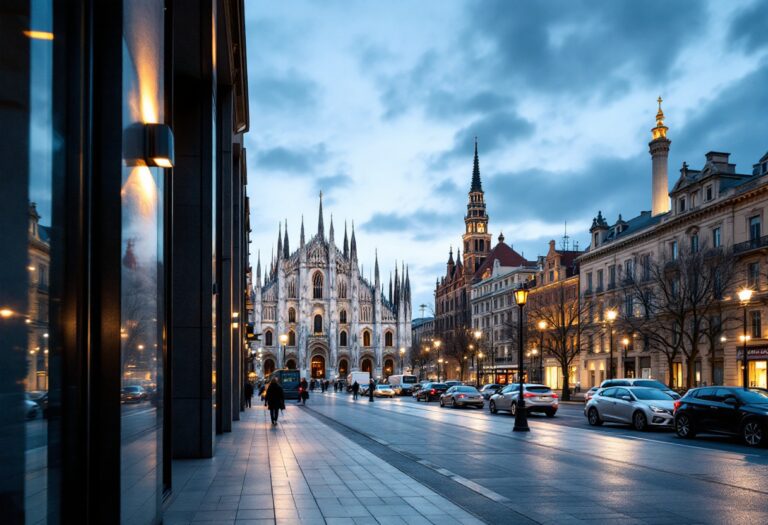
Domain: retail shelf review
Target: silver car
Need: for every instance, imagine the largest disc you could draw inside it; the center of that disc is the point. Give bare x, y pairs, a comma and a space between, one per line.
538, 398
462, 396
641, 407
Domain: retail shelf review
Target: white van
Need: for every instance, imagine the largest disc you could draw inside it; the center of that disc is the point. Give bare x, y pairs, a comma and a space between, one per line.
402, 384
362, 379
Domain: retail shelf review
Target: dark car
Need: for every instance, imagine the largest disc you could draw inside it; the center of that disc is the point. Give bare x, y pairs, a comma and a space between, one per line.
133, 394
431, 391
726, 410
488, 390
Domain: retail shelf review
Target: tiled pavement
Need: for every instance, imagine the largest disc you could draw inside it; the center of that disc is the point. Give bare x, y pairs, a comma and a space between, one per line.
302, 472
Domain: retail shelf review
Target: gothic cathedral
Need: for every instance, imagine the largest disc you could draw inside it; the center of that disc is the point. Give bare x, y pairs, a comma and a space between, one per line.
318, 314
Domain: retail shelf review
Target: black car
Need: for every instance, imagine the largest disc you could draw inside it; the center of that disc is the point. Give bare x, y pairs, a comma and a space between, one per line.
724, 410
431, 391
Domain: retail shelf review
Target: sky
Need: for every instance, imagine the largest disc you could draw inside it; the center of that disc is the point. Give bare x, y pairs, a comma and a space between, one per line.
377, 104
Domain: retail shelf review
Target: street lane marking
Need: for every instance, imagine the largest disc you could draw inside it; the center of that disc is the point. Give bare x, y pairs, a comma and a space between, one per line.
685, 445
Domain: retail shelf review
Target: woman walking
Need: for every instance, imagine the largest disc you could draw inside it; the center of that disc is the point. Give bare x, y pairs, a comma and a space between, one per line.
303, 391
274, 400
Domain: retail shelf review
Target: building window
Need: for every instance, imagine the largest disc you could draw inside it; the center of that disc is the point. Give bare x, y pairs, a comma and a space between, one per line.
754, 228
291, 315
342, 290
268, 338
388, 339
753, 275
681, 204
629, 269
366, 338
709, 193
612, 276
600, 280
317, 285
646, 262
291, 338
716, 238
694, 243
343, 317
343, 338
318, 324
673, 250
755, 324
551, 276
292, 289
589, 281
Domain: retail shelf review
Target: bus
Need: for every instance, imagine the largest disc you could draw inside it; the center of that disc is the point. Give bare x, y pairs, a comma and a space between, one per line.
289, 380
402, 384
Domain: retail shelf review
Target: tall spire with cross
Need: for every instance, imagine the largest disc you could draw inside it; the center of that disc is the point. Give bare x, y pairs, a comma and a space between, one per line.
286, 250
320, 227
345, 247
301, 235
476, 184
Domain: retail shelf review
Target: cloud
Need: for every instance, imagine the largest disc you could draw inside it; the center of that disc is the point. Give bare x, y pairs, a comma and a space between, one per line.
420, 225
493, 131
298, 160
278, 91
331, 182
748, 28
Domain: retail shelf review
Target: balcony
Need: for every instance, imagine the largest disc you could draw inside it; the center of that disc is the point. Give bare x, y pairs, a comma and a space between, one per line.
751, 245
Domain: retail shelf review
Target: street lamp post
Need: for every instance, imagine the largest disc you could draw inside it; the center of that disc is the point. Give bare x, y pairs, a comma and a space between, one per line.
439, 364
521, 418
542, 326
477, 334
437, 344
744, 296
611, 317
625, 344
283, 342
534, 356
402, 355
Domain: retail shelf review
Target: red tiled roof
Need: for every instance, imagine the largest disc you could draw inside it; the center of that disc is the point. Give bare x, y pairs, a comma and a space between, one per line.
506, 257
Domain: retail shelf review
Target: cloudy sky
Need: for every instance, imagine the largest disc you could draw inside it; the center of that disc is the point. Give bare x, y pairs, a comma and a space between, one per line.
377, 103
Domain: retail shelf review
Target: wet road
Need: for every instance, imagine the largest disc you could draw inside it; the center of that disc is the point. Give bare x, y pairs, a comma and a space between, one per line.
563, 471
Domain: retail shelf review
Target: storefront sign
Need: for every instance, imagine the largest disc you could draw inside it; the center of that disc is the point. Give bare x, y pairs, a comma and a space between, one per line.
755, 353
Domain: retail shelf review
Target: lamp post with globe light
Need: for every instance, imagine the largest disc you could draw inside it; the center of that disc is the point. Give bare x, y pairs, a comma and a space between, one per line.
610, 316
744, 296
436, 343
521, 418
477, 334
283, 342
542, 326
402, 355
625, 344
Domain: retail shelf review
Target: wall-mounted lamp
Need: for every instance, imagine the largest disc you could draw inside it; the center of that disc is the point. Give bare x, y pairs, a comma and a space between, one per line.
158, 145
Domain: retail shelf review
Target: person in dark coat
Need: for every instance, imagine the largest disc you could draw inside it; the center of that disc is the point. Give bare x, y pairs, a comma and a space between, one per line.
248, 392
303, 391
275, 399
355, 390
371, 388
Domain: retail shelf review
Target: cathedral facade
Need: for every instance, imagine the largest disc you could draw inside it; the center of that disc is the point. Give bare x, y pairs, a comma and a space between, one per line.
318, 314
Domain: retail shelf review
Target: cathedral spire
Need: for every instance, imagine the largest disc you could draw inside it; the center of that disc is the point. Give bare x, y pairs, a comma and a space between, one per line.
258, 268
301, 235
320, 227
476, 184
353, 244
279, 240
286, 250
376, 269
390, 287
330, 232
407, 286
396, 300
346, 242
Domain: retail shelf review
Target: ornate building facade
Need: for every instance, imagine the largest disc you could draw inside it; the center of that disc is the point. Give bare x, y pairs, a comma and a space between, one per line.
318, 314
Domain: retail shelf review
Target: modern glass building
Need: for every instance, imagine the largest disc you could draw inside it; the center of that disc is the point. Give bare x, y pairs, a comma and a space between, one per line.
124, 230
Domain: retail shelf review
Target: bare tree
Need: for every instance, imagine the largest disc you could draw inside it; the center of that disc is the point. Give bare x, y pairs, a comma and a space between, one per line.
456, 348
565, 314
674, 303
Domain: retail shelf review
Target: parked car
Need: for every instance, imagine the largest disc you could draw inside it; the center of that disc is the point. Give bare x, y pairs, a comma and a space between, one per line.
488, 390
633, 381
31, 409
462, 396
641, 407
589, 394
453, 382
431, 391
383, 391
133, 394
41, 398
724, 410
538, 398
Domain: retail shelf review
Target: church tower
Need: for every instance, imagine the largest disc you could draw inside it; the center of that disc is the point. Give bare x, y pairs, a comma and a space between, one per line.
477, 239
659, 149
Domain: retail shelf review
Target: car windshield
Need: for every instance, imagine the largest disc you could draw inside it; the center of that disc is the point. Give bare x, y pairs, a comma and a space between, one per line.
132, 388
651, 394
540, 389
510, 388
754, 395
469, 389
383, 387
439, 385
409, 379
649, 383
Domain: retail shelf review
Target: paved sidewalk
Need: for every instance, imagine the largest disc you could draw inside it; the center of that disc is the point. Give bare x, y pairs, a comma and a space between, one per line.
299, 472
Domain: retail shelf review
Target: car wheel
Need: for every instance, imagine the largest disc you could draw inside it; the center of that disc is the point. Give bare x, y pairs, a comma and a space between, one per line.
492, 408
594, 417
753, 434
639, 421
513, 408
550, 413
684, 427
453, 403
441, 402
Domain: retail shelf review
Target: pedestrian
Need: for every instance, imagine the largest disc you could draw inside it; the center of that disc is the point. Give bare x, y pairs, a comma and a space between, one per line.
275, 400
326, 385
371, 387
335, 387
303, 391
322, 386
264, 390
355, 390
248, 391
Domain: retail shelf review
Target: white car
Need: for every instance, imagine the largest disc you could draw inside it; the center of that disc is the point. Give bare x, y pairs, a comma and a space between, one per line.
641, 407
384, 391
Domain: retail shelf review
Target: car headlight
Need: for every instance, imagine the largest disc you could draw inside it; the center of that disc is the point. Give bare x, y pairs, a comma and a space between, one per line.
660, 410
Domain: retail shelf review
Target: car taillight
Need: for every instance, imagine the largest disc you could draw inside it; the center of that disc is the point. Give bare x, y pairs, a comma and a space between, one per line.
432, 391
554, 395
528, 394
677, 405
462, 396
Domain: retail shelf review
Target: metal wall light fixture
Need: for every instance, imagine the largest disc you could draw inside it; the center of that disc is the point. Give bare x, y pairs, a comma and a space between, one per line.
158, 145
